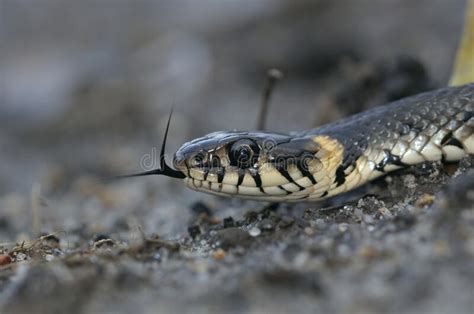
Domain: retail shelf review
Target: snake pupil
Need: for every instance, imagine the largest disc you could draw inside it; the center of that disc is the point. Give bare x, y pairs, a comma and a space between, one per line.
199, 159
243, 154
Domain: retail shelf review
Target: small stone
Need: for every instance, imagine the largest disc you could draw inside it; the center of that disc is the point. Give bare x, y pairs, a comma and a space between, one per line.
343, 227
229, 222
385, 212
49, 257
409, 181
266, 224
309, 231
286, 221
424, 200
255, 232
194, 231
214, 221
320, 223
5, 260
368, 219
232, 237
218, 255
20, 257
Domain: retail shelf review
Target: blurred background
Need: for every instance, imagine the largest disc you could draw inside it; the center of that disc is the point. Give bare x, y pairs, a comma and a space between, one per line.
86, 86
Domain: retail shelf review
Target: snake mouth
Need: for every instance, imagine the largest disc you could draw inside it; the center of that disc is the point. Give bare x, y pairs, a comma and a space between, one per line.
247, 165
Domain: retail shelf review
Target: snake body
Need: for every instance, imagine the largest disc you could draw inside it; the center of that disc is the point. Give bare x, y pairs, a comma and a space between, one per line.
337, 157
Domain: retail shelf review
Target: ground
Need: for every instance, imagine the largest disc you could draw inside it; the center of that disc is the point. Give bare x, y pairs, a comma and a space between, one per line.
86, 93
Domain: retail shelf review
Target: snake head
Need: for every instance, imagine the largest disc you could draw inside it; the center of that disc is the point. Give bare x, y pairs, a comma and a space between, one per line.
249, 164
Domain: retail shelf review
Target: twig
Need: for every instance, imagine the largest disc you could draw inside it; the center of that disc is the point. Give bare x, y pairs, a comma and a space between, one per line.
273, 76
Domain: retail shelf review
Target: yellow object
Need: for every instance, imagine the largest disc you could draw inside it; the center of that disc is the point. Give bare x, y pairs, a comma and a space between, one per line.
463, 71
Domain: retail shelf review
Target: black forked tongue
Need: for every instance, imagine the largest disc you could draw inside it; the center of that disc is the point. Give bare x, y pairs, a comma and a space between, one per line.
164, 168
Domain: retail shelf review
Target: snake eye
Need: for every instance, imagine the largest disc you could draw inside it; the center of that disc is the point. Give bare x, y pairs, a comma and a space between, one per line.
198, 159
243, 154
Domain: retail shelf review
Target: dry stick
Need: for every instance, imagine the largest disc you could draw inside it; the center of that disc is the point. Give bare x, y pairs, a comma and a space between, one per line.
273, 76
36, 225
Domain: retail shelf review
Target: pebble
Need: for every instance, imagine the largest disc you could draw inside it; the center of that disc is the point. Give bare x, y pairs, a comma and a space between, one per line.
266, 224
49, 258
232, 237
218, 255
425, 200
255, 232
309, 231
20, 257
385, 212
343, 227
320, 223
5, 260
368, 219
286, 221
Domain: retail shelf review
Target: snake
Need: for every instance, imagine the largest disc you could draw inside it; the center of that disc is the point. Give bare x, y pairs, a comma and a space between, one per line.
337, 157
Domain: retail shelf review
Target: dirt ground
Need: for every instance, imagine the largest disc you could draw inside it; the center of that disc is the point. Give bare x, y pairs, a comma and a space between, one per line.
86, 88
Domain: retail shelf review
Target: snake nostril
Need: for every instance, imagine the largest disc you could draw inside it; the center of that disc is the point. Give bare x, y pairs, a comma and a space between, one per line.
178, 160
199, 158
215, 161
